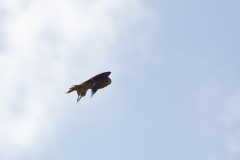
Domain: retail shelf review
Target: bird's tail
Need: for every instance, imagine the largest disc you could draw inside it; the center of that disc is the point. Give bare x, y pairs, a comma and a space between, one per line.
73, 88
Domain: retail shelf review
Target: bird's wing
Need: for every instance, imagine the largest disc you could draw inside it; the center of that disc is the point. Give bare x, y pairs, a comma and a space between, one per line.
98, 79
88, 84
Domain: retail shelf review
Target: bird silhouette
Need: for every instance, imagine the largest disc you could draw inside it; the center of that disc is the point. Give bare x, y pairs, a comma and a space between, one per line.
97, 82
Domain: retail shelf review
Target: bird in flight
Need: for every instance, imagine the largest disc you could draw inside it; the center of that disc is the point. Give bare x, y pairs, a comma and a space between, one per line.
97, 82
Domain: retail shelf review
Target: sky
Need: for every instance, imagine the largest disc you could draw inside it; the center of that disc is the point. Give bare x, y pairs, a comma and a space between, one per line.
175, 91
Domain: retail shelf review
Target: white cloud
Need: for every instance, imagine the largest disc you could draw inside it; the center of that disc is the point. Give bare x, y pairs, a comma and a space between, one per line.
49, 43
219, 114
232, 120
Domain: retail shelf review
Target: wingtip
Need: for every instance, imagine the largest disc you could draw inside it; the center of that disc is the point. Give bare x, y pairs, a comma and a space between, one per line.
92, 93
108, 72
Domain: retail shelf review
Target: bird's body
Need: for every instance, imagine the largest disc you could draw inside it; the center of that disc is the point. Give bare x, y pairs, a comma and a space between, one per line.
97, 82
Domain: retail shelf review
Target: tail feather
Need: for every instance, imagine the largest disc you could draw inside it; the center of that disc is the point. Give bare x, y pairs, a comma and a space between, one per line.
73, 88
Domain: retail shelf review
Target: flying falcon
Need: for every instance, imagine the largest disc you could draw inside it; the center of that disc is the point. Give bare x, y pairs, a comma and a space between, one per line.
97, 82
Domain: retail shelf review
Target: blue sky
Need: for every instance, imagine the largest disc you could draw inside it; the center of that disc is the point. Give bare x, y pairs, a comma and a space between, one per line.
175, 91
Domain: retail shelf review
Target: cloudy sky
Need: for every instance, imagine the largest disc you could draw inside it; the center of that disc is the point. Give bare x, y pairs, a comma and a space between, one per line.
175, 91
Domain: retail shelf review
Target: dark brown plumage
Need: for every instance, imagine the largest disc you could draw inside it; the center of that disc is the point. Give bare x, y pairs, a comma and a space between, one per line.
97, 82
